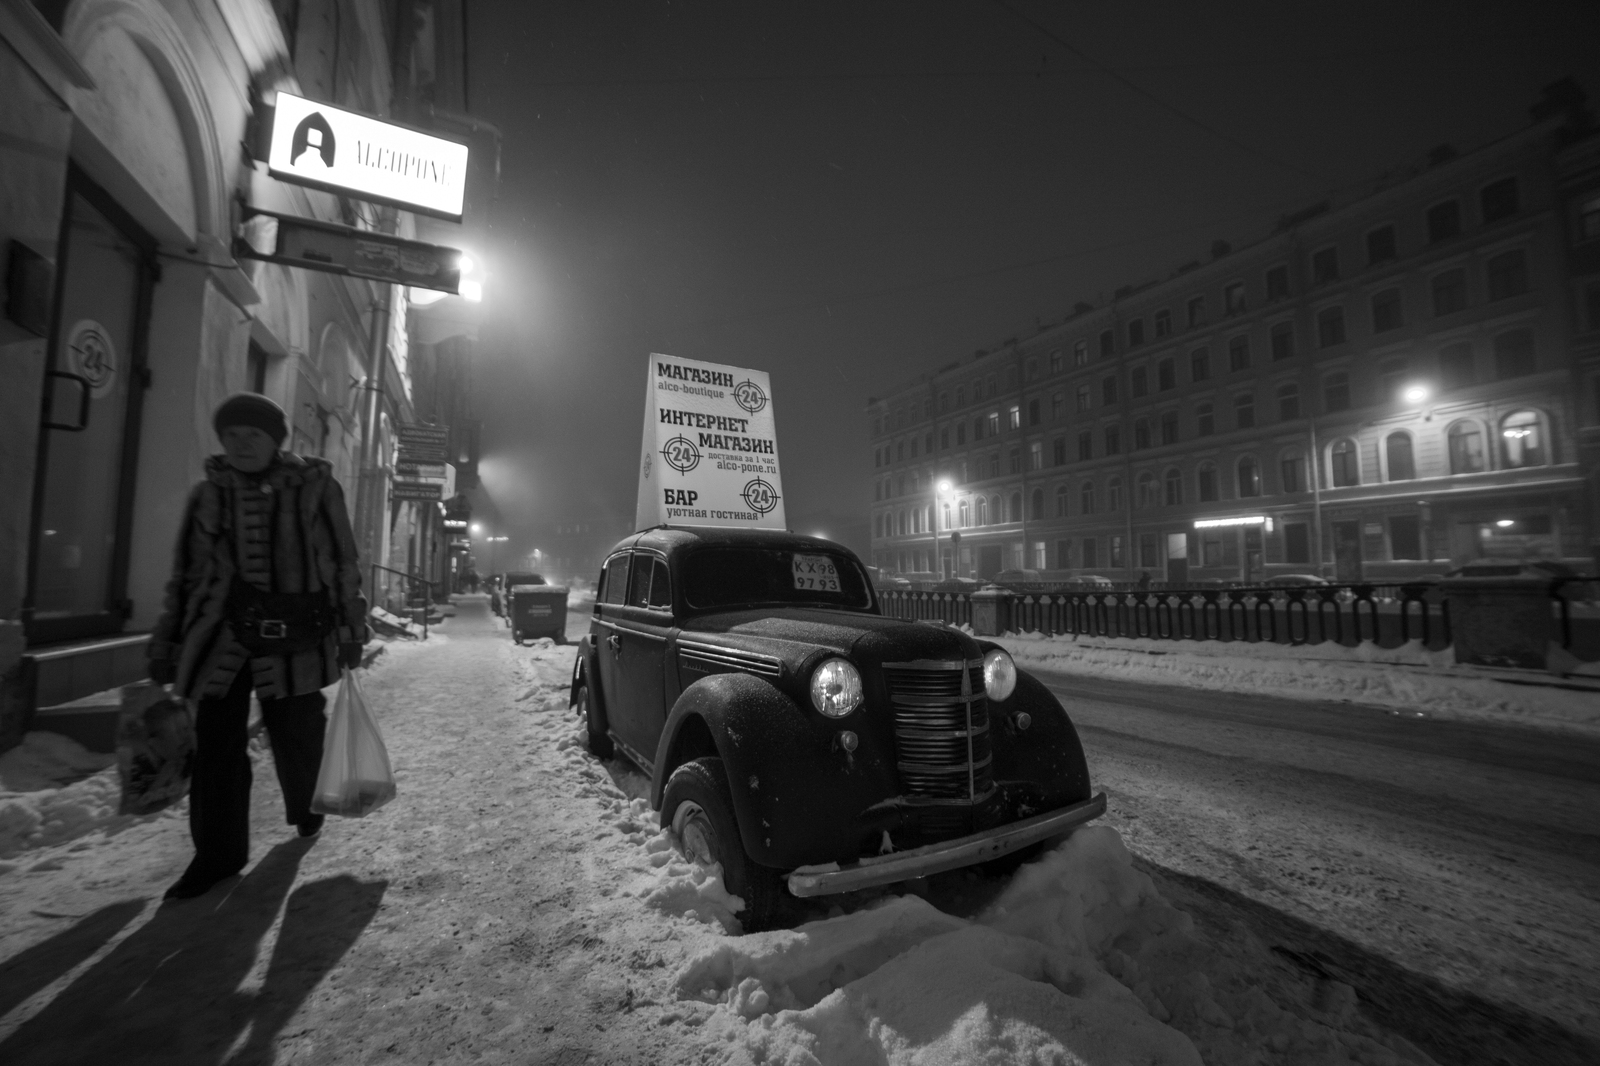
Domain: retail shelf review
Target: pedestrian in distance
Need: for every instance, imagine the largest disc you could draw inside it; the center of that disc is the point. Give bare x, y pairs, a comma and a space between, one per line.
265, 596
1144, 579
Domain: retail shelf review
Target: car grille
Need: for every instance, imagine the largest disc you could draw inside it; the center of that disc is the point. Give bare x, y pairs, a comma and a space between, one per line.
941, 727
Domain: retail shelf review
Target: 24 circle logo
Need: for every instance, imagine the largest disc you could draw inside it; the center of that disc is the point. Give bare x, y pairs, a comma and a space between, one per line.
759, 496
681, 454
748, 394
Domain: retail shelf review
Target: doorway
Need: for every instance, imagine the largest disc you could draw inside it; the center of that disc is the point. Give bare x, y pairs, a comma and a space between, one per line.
1347, 552
88, 437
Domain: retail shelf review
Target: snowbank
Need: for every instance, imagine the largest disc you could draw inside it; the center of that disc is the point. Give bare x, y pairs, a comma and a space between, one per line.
53, 789
1409, 678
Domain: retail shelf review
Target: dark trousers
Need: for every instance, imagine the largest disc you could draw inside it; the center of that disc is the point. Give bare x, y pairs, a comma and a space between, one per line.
219, 795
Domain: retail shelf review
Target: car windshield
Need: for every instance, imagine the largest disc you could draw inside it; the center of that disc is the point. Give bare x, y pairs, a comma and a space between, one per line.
513, 580
733, 577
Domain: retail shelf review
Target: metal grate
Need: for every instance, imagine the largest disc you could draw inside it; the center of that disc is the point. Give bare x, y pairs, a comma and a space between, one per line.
941, 726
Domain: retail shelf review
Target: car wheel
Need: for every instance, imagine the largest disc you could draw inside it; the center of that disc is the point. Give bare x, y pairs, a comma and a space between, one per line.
600, 745
698, 808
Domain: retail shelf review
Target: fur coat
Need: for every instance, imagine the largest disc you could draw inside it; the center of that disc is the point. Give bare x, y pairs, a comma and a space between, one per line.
285, 530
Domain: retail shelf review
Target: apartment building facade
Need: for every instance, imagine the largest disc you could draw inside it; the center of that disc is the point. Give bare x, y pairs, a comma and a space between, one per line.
1382, 388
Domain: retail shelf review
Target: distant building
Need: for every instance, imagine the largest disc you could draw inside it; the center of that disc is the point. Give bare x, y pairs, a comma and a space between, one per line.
1381, 388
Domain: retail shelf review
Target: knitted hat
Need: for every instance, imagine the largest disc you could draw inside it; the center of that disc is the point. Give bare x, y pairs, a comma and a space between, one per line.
252, 409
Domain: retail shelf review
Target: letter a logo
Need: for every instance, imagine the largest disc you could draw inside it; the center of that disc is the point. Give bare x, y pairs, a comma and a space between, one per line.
315, 135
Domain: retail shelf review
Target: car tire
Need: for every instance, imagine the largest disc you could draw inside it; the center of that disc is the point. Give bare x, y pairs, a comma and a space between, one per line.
698, 807
600, 745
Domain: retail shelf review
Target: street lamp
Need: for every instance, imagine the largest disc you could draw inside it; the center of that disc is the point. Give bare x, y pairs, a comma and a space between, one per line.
941, 489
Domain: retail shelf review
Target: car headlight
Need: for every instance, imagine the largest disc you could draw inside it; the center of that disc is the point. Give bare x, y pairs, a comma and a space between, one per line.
836, 688
999, 675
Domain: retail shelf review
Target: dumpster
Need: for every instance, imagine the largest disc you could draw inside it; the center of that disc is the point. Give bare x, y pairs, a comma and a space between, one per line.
537, 611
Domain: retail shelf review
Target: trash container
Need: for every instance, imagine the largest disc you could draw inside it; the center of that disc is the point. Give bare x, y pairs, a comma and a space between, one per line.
1501, 614
537, 611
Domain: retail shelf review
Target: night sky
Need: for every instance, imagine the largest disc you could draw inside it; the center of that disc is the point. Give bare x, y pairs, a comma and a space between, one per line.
848, 195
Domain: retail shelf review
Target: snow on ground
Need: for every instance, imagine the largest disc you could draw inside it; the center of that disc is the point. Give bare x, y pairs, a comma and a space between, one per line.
1079, 959
53, 789
1409, 678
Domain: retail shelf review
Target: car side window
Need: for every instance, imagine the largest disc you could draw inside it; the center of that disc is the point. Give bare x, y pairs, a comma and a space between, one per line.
661, 587
639, 587
616, 581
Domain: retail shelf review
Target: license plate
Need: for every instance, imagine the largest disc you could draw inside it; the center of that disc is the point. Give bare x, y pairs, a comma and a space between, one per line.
815, 573
539, 608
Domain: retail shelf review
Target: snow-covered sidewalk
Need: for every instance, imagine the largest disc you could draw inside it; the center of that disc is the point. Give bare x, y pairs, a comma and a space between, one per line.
1410, 679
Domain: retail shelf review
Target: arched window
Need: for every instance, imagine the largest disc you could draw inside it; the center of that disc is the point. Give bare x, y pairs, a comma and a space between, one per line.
1015, 514
945, 511
1466, 448
1148, 491
927, 526
963, 514
1397, 449
980, 508
1345, 462
1036, 504
1249, 477
900, 524
1114, 494
1173, 488
1522, 440
997, 513
1206, 479
1086, 497
1061, 501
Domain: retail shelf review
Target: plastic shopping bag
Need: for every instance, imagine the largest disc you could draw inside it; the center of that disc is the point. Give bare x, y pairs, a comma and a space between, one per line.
155, 748
355, 778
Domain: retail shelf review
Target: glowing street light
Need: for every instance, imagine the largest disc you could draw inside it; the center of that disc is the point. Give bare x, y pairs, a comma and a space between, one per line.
1416, 394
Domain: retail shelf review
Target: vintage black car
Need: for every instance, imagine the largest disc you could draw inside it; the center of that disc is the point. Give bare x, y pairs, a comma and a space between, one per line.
800, 738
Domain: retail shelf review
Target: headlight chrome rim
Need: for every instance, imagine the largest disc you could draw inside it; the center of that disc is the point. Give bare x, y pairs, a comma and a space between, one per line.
999, 675
836, 688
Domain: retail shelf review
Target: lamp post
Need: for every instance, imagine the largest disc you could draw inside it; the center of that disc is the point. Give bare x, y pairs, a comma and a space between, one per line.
941, 489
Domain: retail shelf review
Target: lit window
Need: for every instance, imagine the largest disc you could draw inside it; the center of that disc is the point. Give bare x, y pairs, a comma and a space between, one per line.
1249, 477
1466, 448
1522, 440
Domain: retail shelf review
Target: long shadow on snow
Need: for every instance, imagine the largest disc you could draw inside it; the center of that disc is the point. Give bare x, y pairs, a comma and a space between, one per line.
34, 968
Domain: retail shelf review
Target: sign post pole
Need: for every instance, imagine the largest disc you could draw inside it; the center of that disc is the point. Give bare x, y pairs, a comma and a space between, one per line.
370, 493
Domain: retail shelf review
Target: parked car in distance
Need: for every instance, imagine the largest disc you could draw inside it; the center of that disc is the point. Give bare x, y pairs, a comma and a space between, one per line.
1286, 581
957, 584
881, 580
1016, 577
1094, 581
803, 740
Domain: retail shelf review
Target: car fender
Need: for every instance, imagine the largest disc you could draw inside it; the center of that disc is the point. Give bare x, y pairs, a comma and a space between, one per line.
586, 671
1049, 749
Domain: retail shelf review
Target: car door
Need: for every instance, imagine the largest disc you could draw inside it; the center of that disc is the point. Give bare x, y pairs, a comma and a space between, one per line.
643, 628
607, 636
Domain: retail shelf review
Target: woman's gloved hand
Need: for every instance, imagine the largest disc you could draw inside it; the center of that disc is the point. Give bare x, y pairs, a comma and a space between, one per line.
350, 654
163, 671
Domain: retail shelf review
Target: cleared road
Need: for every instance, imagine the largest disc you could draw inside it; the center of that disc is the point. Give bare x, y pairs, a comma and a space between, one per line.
1449, 871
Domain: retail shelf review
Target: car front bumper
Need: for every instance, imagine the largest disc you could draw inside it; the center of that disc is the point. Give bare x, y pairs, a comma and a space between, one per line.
827, 879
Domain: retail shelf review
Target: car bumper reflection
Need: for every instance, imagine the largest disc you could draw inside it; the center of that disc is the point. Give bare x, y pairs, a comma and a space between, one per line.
829, 878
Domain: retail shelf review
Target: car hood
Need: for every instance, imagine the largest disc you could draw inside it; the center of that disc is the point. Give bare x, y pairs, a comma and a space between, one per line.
865, 638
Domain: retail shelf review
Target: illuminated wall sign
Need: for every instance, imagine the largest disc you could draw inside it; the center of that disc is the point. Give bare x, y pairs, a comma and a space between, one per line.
330, 148
1247, 520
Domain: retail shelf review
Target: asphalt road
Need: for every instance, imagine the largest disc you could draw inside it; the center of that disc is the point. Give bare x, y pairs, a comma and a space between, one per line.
1449, 871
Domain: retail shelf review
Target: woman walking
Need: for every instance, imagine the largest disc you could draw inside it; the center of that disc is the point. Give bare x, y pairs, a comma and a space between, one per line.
265, 595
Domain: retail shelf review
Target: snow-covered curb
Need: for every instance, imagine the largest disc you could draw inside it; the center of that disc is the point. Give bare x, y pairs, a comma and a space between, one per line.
1409, 678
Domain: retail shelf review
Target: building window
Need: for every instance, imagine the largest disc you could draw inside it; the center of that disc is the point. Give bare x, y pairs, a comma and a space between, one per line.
1296, 543
1108, 343
1082, 398
1456, 366
1173, 488
944, 439
1204, 421
1508, 275
900, 450
1380, 245
1015, 460
1465, 441
1522, 440
961, 434
1036, 504
1058, 449
1058, 405
1119, 558
1166, 375
1239, 353
1063, 554
1058, 361
913, 447
1080, 353
944, 402
1085, 446
994, 464
1197, 311
994, 423
1033, 412
1513, 354
980, 511
1498, 200
1244, 410
1278, 283
1397, 450
1108, 391
1147, 491
1233, 298
1330, 326
1135, 332
1200, 364
1249, 477
1336, 392
961, 396
1014, 417
1386, 313
1138, 382
1346, 464
1113, 440
1061, 501
1036, 455
1288, 402
1015, 514
1449, 292
1114, 494
1324, 266
1292, 468
1090, 556
1405, 537
1141, 434
1032, 369
1164, 318
962, 514
1206, 481
1086, 498
1011, 378
1169, 427
1444, 221
1282, 341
